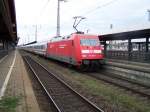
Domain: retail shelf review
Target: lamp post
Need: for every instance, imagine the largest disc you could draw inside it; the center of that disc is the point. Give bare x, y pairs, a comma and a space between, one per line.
58, 17
147, 38
35, 32
37, 27
148, 14
111, 26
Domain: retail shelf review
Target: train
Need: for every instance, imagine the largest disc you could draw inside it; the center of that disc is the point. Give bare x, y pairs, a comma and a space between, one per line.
83, 51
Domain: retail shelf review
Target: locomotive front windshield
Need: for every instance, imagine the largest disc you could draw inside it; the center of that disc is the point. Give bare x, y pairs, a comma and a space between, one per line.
89, 42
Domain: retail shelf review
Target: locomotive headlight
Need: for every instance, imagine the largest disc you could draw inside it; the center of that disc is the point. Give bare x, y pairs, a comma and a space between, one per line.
97, 51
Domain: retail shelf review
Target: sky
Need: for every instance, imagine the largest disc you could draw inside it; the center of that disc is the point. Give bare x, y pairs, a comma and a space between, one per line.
124, 15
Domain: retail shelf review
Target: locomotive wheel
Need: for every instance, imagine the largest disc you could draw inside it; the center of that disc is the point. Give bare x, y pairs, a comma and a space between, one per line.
94, 67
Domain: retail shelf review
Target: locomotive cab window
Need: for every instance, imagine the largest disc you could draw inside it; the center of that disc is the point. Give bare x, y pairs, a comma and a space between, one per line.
89, 42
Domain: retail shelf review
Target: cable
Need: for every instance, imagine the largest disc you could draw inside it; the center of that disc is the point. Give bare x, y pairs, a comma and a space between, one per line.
101, 6
42, 10
98, 7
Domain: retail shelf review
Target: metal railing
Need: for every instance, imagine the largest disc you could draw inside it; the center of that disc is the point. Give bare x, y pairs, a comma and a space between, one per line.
125, 55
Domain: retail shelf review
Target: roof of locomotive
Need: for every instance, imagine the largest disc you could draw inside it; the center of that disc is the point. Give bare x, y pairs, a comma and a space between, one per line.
60, 38
70, 37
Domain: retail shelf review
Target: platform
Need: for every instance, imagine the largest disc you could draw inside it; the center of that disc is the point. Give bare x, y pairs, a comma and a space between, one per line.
14, 82
143, 67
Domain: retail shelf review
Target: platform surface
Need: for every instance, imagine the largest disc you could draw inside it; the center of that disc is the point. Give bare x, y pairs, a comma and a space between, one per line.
14, 82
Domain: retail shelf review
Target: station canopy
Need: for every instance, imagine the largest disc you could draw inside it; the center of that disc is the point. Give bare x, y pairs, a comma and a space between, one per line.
136, 34
8, 26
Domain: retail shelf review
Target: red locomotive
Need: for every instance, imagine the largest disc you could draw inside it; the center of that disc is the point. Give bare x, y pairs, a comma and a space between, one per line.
81, 50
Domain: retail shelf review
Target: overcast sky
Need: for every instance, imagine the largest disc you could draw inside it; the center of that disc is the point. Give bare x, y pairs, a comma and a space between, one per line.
123, 14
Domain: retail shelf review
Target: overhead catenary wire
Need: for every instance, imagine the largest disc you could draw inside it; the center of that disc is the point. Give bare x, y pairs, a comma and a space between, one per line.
99, 7
42, 11
38, 18
85, 14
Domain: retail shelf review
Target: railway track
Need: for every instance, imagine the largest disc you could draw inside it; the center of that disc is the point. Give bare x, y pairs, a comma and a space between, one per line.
64, 98
138, 88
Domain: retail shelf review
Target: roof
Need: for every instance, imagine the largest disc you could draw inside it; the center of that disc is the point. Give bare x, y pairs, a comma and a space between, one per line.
8, 25
136, 34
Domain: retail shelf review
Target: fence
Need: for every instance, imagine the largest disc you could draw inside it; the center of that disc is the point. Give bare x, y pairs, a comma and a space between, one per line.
125, 55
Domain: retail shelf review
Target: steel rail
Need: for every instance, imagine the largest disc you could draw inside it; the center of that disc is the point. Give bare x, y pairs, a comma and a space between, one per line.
98, 76
64, 83
50, 97
127, 79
